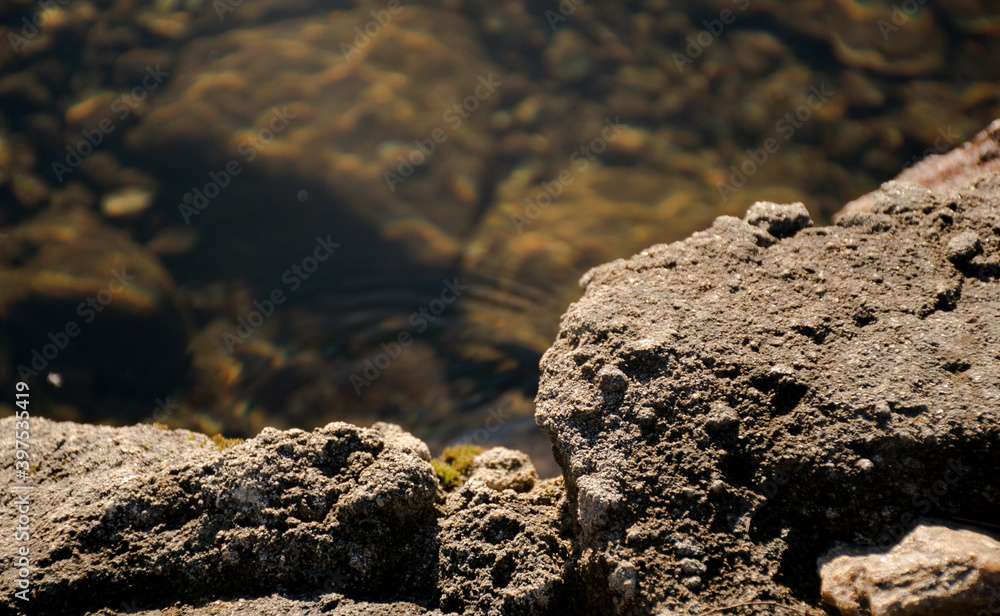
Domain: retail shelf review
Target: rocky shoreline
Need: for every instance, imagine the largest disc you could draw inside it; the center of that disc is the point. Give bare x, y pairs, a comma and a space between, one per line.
729, 412
205, 146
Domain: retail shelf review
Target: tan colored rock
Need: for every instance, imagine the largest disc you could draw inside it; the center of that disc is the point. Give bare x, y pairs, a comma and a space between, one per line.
501, 469
936, 570
503, 550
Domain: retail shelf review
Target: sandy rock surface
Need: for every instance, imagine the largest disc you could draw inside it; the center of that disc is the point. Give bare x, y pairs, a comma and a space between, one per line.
502, 518
725, 407
144, 516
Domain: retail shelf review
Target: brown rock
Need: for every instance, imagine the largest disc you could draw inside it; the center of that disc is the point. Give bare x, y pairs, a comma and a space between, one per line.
145, 516
503, 546
726, 407
936, 570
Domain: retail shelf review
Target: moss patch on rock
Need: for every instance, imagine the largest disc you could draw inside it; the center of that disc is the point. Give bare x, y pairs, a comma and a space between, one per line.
452, 467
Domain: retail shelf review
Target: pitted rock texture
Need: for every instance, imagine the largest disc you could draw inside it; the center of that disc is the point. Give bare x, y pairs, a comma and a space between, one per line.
935, 570
502, 519
341, 520
144, 517
726, 407
324, 604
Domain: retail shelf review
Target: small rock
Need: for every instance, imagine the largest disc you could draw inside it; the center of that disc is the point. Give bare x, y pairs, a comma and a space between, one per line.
780, 220
173, 241
693, 582
690, 566
721, 417
504, 469
611, 379
29, 189
646, 417
622, 580
933, 571
964, 247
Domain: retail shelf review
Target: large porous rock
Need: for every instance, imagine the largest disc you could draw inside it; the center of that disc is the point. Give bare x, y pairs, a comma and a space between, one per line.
726, 407
145, 517
936, 570
504, 542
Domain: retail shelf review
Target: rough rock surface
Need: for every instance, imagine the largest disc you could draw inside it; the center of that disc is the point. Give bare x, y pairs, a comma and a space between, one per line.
341, 520
145, 517
726, 407
499, 520
936, 570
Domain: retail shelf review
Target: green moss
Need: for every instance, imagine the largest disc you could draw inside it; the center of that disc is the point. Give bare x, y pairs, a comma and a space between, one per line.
223, 443
453, 466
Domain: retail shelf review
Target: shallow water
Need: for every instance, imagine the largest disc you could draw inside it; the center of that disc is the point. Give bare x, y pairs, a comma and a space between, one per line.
377, 211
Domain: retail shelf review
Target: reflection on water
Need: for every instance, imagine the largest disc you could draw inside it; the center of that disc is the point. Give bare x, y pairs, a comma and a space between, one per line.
378, 210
